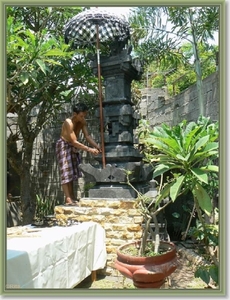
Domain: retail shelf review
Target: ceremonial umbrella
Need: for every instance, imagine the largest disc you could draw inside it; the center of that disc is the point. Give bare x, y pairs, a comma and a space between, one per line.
90, 28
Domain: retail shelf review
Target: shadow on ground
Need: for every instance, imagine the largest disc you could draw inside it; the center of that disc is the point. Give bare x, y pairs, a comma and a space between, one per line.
106, 282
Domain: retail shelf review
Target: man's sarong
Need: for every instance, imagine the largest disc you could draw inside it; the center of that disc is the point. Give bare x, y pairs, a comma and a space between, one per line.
68, 161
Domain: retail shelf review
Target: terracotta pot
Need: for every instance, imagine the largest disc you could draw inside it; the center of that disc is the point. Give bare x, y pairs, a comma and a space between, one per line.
147, 272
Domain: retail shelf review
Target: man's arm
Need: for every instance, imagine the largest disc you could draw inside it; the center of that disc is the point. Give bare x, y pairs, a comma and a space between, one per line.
70, 136
89, 139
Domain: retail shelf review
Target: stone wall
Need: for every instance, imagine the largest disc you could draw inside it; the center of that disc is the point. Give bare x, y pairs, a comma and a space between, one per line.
157, 107
120, 219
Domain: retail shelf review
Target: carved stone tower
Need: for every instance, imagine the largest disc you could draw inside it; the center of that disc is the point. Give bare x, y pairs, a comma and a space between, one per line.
118, 70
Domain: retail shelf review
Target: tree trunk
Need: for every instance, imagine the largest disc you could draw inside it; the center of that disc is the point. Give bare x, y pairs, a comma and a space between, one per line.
28, 203
199, 82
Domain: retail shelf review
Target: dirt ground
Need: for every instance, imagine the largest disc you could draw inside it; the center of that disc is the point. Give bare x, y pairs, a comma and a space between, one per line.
182, 278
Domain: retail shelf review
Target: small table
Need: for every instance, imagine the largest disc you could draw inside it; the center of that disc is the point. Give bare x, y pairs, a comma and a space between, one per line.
55, 257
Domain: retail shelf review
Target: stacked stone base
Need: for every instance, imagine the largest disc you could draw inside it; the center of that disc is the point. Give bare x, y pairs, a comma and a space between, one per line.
121, 220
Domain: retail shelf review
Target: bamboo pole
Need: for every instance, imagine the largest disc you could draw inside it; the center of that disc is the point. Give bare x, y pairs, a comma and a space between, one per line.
100, 99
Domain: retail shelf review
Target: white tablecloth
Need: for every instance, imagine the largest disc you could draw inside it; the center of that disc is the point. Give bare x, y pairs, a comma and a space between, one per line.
61, 257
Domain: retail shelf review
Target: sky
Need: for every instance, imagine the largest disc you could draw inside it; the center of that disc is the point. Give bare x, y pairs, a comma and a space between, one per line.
117, 9
124, 10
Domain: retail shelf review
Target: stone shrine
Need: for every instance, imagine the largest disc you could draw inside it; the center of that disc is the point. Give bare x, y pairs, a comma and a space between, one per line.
120, 121
118, 70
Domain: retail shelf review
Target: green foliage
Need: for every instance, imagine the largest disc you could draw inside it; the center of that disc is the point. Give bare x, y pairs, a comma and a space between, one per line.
186, 155
148, 252
203, 19
182, 151
41, 68
43, 74
206, 273
136, 93
181, 214
181, 74
158, 81
209, 235
185, 75
154, 41
181, 53
44, 207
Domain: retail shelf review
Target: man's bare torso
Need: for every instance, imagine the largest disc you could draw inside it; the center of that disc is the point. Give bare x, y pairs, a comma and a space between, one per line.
69, 126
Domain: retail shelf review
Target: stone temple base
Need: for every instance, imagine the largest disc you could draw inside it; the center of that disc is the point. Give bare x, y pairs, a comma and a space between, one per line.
114, 191
111, 182
111, 192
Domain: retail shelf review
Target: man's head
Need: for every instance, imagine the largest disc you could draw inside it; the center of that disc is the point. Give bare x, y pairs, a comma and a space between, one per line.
80, 111
80, 108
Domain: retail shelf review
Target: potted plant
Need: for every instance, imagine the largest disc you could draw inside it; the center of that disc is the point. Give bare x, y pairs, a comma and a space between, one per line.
186, 153
150, 260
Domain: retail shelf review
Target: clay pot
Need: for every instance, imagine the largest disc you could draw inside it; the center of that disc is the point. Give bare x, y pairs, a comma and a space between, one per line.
147, 272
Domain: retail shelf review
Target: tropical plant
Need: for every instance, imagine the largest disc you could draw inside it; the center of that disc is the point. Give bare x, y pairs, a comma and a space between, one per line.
152, 258
183, 150
150, 212
186, 155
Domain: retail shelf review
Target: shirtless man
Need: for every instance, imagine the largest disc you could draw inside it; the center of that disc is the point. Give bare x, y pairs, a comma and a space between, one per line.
67, 150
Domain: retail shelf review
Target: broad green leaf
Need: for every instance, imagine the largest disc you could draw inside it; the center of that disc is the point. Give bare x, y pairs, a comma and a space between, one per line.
213, 271
160, 146
21, 43
200, 174
181, 157
203, 274
203, 198
210, 168
201, 142
176, 187
176, 215
65, 93
211, 146
164, 193
172, 143
24, 77
201, 156
160, 170
188, 156
189, 134
164, 167
42, 65
157, 143
52, 61
31, 35
55, 52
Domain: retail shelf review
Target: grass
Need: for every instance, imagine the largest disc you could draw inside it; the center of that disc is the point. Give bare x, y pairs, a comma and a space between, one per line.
107, 282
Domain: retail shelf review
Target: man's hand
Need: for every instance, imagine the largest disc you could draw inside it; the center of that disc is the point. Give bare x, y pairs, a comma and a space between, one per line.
94, 151
99, 149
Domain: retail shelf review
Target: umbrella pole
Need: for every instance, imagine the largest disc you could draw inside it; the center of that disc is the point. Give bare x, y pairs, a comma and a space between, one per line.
100, 100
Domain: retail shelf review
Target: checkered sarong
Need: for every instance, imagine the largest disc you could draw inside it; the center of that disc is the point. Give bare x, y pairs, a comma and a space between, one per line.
68, 161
